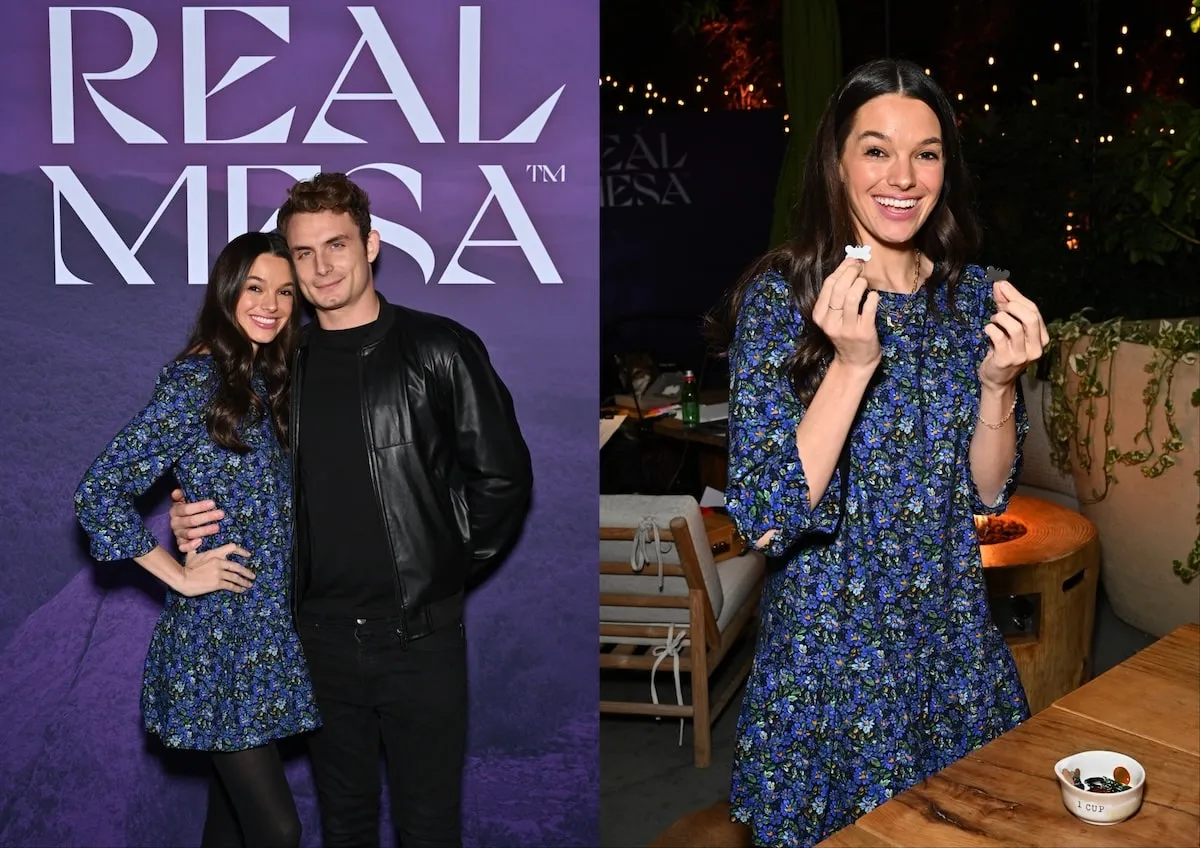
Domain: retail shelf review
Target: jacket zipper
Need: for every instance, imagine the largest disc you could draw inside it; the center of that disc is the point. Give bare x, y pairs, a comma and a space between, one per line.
369, 433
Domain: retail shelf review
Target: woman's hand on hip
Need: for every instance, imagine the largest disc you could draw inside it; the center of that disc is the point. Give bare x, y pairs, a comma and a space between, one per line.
213, 571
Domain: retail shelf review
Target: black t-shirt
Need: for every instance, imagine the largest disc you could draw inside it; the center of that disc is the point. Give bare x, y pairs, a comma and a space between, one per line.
351, 568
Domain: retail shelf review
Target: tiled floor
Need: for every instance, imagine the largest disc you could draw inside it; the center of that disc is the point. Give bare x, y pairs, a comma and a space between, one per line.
647, 781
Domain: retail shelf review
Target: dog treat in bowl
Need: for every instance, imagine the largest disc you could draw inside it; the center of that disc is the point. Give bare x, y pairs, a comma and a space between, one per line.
1094, 797
1119, 782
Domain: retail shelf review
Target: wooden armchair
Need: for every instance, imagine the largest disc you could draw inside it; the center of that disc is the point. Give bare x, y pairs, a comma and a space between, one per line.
666, 605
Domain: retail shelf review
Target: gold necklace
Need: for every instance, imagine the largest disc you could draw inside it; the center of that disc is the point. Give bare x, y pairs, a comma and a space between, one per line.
917, 272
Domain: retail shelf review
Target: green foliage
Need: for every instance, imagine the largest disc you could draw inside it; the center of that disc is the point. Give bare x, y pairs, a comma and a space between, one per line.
1071, 417
1152, 199
693, 14
1131, 204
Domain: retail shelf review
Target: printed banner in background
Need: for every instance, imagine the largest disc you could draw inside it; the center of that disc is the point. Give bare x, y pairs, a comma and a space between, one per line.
686, 202
138, 138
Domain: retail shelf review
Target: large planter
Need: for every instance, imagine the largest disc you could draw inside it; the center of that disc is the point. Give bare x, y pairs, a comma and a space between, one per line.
1144, 523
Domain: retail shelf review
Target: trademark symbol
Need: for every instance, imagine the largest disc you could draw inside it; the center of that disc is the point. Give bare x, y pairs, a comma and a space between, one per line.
546, 174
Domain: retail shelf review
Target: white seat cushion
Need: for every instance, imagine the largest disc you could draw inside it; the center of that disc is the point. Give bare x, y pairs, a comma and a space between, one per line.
630, 511
739, 576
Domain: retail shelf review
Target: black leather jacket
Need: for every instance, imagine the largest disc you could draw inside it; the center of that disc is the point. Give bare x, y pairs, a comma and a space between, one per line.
451, 471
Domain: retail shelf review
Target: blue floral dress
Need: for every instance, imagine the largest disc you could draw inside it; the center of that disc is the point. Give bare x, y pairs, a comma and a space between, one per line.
877, 661
224, 671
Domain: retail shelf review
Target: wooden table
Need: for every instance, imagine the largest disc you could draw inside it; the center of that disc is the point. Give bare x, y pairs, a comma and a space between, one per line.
712, 447
1005, 793
712, 454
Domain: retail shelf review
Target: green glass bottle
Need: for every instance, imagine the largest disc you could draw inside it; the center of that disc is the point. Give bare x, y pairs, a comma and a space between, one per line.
689, 401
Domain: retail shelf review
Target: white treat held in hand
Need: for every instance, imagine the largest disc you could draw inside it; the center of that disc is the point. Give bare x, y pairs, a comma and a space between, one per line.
859, 251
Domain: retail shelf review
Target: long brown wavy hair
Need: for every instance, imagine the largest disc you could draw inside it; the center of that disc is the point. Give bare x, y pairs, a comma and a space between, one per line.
824, 224
218, 333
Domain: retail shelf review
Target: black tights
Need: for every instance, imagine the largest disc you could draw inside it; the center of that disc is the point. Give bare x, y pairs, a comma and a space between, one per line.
250, 804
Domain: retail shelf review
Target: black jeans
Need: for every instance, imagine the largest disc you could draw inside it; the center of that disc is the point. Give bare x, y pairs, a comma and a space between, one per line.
371, 687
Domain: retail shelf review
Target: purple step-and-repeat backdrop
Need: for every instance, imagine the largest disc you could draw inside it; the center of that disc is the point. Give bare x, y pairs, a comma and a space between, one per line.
137, 139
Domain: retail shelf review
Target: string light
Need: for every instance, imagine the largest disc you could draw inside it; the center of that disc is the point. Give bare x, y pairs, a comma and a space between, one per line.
751, 96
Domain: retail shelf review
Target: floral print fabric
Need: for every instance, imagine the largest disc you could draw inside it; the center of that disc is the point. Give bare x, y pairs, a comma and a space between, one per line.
877, 661
224, 671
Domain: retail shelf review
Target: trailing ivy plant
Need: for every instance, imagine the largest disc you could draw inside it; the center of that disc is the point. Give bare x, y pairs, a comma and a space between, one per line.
1071, 417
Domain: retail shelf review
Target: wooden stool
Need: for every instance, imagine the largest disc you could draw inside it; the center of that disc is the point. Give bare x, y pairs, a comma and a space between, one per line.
1053, 569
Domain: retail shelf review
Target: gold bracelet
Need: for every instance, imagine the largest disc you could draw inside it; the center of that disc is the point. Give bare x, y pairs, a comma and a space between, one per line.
1003, 420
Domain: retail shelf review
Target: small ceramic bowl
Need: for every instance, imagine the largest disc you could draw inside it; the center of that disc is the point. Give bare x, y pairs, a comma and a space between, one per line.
1101, 807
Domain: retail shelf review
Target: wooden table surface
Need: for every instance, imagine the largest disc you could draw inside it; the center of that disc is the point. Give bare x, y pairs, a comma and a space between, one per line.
1005, 793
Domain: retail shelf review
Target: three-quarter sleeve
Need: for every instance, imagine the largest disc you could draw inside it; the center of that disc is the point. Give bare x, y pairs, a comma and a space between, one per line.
145, 449
985, 307
767, 488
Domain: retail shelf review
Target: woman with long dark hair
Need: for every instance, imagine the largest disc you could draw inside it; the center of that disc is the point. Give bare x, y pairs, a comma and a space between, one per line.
874, 409
225, 672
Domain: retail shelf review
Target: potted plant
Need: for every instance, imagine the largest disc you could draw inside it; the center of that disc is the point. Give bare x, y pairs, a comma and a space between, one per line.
1121, 397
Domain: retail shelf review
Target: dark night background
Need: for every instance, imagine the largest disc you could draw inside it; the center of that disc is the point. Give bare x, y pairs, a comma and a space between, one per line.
1086, 197
1034, 179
